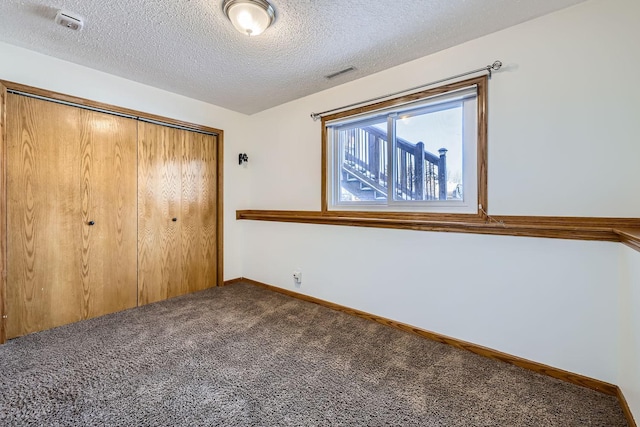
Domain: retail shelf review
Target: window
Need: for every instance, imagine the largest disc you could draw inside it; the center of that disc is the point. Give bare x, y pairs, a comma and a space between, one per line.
421, 152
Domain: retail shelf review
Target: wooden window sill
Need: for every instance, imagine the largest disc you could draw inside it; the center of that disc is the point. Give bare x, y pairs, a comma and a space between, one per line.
625, 230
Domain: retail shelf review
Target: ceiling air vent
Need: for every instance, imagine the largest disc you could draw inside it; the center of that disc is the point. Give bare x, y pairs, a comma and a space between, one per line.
339, 73
69, 20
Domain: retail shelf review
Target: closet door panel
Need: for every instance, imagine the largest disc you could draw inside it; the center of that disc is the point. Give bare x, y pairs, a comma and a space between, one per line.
198, 228
159, 194
68, 166
109, 214
44, 223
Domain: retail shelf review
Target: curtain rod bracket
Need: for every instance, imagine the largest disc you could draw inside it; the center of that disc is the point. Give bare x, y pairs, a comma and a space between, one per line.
494, 67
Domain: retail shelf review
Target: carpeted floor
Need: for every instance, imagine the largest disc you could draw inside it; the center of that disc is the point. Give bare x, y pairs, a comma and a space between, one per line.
244, 356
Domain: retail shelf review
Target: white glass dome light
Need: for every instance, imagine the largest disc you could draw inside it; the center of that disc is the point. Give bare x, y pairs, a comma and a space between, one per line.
250, 17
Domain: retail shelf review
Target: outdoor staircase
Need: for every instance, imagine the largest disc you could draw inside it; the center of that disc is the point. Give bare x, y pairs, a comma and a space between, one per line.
421, 175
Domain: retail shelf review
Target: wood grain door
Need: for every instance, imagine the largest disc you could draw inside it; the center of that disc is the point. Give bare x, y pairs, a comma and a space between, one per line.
58, 177
176, 212
159, 187
198, 213
109, 214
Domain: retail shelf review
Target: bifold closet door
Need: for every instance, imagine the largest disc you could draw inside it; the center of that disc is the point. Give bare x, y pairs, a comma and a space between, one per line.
176, 212
198, 213
159, 186
71, 223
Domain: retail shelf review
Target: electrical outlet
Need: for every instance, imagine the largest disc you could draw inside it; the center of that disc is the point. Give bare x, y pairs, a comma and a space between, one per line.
297, 277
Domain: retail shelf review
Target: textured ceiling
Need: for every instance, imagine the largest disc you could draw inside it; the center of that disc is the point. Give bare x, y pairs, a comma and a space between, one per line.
189, 47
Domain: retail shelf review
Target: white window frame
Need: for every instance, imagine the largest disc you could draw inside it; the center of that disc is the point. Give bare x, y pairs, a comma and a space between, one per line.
471, 94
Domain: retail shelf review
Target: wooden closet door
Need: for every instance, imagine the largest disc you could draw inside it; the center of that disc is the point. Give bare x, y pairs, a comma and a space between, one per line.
55, 179
159, 195
108, 188
198, 225
176, 181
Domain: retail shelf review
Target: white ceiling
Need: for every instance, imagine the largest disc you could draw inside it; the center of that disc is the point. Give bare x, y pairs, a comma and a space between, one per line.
189, 47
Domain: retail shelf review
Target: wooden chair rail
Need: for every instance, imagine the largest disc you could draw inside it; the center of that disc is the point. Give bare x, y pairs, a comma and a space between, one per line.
630, 237
625, 230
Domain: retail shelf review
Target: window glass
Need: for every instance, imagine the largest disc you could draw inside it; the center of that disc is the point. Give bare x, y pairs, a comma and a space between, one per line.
417, 156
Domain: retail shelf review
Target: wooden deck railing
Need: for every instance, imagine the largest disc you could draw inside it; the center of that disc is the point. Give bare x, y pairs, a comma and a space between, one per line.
420, 175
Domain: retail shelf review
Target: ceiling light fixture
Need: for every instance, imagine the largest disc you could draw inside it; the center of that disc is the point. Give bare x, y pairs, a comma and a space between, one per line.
250, 17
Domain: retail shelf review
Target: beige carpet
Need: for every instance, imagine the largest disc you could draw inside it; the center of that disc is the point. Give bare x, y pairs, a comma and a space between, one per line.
244, 356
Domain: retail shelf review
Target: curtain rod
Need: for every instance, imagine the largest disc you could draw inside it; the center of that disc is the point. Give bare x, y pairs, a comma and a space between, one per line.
488, 69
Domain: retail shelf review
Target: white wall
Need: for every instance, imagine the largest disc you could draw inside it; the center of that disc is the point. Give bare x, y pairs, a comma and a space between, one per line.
34, 69
562, 103
629, 339
545, 300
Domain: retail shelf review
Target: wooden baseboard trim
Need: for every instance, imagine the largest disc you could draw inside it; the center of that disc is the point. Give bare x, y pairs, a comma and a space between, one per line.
625, 408
233, 281
550, 371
